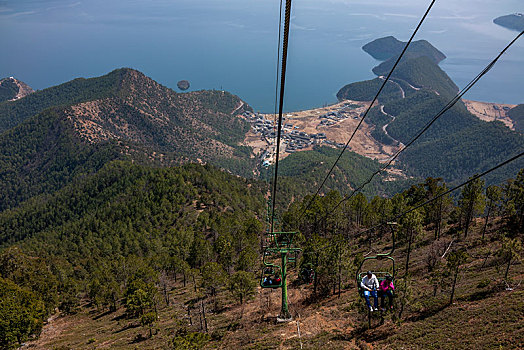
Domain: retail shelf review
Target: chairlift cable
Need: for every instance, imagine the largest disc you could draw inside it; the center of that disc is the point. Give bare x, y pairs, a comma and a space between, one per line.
277, 80
285, 41
447, 192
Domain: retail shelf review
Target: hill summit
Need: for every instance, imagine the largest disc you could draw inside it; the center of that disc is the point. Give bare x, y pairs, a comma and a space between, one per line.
56, 134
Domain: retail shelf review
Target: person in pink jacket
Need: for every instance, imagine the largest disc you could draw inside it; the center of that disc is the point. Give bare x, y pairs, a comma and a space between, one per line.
386, 289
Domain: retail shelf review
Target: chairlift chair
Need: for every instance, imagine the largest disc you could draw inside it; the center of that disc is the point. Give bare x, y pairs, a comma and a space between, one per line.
381, 275
270, 271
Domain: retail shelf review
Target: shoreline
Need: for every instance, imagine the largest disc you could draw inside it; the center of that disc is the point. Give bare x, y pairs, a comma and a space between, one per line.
336, 122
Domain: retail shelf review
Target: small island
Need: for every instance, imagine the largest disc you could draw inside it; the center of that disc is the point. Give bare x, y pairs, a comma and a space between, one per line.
183, 85
514, 21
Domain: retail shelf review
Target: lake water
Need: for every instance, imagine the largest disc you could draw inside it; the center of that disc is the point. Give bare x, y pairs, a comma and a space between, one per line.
231, 44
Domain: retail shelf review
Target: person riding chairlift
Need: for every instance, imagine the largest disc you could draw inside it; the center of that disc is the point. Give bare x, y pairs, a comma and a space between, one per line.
267, 281
277, 280
370, 286
386, 289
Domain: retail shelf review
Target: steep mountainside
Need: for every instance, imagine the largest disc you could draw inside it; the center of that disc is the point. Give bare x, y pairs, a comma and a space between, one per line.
13, 89
173, 242
122, 114
123, 192
76, 91
43, 154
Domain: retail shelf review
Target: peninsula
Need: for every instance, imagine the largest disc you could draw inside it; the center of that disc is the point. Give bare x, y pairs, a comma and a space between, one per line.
514, 21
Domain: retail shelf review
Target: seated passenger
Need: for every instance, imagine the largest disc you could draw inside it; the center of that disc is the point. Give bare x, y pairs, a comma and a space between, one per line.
386, 289
370, 285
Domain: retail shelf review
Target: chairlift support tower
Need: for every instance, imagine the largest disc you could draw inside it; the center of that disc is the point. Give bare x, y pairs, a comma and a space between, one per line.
281, 243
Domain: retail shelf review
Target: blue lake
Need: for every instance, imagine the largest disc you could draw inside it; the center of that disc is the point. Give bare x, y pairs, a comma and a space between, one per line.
231, 44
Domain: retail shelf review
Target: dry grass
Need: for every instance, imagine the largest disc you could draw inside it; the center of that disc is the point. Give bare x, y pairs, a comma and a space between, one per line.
483, 316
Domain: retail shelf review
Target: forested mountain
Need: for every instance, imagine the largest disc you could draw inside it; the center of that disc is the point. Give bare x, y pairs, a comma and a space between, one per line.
366, 90
79, 90
92, 226
127, 198
123, 115
136, 250
303, 171
118, 228
127, 105
43, 154
420, 72
457, 145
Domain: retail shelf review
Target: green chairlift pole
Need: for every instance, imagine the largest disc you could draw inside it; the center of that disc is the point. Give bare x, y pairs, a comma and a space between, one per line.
282, 245
284, 311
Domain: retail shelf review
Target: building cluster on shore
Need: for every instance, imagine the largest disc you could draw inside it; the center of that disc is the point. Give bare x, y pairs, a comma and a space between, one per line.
294, 139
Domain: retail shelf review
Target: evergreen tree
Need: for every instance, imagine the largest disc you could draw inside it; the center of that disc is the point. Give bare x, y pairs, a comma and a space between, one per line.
410, 228
471, 202
509, 252
454, 260
514, 193
493, 194
242, 285
21, 314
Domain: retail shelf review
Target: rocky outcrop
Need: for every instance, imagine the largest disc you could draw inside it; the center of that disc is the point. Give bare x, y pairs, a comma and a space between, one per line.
12, 89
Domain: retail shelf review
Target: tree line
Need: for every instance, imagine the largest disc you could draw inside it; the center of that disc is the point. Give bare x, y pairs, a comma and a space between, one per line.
121, 237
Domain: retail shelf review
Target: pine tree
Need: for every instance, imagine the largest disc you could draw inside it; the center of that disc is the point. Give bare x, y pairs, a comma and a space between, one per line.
471, 202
